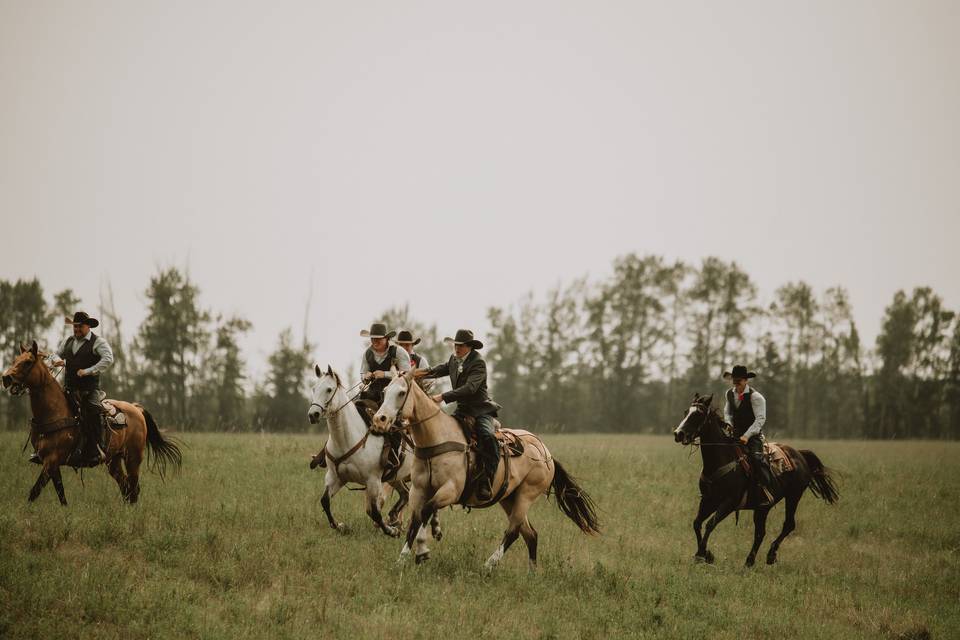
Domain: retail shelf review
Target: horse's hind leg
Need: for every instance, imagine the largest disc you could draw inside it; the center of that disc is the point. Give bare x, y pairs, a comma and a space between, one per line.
516, 510
116, 471
38, 486
435, 530
530, 538
58, 484
759, 531
789, 524
132, 460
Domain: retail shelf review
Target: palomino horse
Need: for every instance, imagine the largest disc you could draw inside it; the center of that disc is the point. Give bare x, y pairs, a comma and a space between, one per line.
353, 456
724, 483
54, 431
440, 473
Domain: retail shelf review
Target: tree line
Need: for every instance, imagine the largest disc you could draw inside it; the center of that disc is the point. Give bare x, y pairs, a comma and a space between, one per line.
623, 353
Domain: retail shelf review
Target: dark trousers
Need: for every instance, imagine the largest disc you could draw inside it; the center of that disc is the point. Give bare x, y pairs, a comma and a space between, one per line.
487, 445
761, 469
91, 414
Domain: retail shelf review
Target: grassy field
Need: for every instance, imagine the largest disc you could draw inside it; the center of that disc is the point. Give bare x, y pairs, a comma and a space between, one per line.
237, 547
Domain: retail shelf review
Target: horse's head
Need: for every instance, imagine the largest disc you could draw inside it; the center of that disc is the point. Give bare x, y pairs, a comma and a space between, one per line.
23, 372
395, 403
322, 393
693, 419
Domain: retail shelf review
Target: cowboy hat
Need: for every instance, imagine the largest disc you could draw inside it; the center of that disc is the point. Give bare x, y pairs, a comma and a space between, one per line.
377, 330
406, 337
739, 371
465, 336
80, 317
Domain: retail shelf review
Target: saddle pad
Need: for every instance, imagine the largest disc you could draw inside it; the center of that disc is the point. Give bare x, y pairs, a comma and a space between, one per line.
780, 462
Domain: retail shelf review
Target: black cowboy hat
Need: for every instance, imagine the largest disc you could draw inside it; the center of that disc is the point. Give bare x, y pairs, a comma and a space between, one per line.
465, 336
80, 317
377, 330
739, 371
406, 337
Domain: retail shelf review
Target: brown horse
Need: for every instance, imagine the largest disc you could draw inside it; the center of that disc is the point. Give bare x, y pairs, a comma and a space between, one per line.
440, 471
54, 430
724, 483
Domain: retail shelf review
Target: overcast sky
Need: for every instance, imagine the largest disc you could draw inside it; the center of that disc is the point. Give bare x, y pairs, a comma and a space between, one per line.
457, 155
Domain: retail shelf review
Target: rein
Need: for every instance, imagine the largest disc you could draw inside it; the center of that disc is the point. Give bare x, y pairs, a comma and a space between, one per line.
323, 410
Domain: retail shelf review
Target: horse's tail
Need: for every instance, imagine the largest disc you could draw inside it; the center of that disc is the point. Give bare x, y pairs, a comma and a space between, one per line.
162, 450
822, 485
574, 501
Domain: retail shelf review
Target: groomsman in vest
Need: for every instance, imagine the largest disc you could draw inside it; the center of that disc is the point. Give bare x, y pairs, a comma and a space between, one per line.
85, 356
405, 340
468, 375
746, 411
378, 360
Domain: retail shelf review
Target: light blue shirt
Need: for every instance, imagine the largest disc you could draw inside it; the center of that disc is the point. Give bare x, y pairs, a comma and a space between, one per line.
100, 347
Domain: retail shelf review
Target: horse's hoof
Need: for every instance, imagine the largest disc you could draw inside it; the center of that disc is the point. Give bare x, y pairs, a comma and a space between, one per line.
771, 558
422, 557
437, 534
708, 558
393, 532
341, 527
750, 561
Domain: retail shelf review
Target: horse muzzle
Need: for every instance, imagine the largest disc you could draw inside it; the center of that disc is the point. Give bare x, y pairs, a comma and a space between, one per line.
7, 381
313, 417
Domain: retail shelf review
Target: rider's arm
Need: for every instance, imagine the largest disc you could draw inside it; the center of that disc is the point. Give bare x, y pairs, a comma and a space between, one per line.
62, 349
403, 364
727, 411
476, 376
102, 349
759, 415
424, 363
442, 370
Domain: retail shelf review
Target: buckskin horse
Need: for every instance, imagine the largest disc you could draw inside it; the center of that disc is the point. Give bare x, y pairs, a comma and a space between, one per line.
442, 463
54, 430
724, 481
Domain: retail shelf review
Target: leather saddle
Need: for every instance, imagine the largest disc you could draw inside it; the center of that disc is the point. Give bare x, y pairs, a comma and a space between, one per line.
510, 444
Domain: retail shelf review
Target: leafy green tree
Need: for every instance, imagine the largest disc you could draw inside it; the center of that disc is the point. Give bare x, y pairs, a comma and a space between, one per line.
281, 402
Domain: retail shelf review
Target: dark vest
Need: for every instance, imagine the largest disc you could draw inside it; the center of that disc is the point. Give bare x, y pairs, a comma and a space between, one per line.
377, 386
415, 360
743, 415
84, 358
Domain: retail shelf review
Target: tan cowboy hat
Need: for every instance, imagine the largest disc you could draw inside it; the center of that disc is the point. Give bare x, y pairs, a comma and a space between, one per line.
406, 337
377, 330
80, 317
465, 336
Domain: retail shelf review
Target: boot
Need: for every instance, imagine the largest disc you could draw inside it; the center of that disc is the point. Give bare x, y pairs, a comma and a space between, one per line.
761, 481
484, 487
490, 457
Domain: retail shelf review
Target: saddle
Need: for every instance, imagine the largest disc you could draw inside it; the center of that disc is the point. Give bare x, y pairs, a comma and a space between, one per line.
777, 459
510, 443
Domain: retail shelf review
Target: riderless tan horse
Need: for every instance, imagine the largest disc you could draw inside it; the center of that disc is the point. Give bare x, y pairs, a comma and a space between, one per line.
440, 470
54, 430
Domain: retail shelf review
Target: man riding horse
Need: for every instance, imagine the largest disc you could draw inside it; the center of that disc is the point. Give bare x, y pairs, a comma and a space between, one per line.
85, 356
468, 375
377, 367
746, 411
417, 360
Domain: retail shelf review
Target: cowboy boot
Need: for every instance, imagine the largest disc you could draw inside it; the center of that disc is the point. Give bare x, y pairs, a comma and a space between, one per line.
490, 461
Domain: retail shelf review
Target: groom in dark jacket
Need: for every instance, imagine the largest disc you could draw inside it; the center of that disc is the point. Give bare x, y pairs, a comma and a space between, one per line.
468, 376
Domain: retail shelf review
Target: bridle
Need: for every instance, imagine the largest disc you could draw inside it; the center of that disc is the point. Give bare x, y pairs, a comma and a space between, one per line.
323, 409
19, 387
725, 429
408, 424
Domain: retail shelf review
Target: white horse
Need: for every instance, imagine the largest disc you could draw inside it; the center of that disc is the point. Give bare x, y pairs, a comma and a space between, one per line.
353, 454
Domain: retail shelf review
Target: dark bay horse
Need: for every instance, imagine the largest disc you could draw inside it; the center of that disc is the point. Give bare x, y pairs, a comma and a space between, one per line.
54, 431
723, 482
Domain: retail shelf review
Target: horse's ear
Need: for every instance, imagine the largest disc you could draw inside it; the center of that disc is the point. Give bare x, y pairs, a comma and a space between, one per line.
329, 369
709, 399
696, 396
336, 378
316, 368
394, 370
34, 348
23, 349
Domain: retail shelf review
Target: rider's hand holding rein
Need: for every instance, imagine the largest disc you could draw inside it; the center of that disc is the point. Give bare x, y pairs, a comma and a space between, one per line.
437, 398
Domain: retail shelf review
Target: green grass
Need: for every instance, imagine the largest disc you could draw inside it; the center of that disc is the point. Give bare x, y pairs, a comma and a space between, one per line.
237, 547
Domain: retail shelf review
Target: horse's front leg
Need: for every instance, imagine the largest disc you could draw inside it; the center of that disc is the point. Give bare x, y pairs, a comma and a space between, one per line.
413, 530
394, 518
703, 511
447, 494
374, 501
38, 486
54, 474
333, 485
725, 509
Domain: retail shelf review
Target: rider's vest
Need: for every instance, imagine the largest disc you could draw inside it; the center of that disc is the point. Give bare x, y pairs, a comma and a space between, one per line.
743, 416
377, 386
84, 358
415, 360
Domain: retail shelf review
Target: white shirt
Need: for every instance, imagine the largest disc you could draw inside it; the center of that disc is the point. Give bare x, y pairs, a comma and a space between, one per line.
100, 347
403, 361
759, 404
